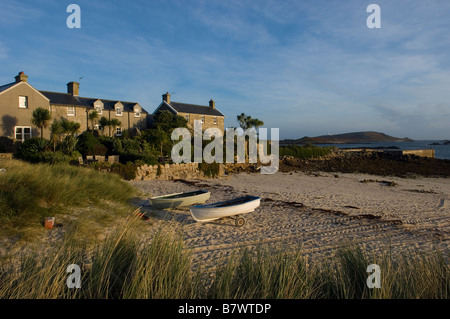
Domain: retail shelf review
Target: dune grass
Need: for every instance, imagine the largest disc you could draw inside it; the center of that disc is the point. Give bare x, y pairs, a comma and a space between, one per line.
30, 192
125, 266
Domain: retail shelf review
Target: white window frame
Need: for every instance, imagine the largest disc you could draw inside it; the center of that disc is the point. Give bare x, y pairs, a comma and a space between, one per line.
23, 102
119, 111
71, 113
22, 128
119, 131
215, 120
203, 119
99, 109
97, 127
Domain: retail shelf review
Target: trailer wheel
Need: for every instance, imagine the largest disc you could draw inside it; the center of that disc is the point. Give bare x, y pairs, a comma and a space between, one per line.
240, 221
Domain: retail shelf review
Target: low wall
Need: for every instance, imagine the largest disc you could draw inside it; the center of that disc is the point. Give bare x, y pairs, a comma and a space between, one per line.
422, 153
6, 155
172, 171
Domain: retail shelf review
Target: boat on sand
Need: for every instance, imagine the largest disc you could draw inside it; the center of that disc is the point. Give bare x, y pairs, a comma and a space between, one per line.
232, 208
184, 199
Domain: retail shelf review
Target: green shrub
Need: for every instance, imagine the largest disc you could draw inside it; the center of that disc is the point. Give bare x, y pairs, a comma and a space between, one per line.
88, 144
127, 171
30, 150
7, 145
210, 170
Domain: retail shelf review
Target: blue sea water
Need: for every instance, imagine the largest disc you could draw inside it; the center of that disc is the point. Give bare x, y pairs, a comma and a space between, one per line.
441, 151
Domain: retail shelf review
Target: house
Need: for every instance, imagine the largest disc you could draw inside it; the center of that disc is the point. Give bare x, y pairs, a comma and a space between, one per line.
19, 99
209, 115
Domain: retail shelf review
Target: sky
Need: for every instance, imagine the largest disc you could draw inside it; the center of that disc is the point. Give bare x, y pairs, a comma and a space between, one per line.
306, 67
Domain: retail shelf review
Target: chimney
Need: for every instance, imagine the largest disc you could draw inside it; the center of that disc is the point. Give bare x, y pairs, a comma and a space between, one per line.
73, 88
212, 103
21, 77
166, 97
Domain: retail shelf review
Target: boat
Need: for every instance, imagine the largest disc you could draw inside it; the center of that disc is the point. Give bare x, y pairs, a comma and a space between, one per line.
231, 208
184, 199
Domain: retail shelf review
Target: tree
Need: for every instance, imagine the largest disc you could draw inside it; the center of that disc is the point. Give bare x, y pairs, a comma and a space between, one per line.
103, 122
69, 127
114, 123
93, 117
246, 122
56, 132
161, 129
41, 117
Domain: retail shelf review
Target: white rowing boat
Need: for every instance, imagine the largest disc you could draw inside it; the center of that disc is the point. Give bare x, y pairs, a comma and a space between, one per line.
230, 208
180, 199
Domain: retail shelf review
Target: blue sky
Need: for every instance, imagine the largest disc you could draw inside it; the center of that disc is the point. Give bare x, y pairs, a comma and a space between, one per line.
306, 67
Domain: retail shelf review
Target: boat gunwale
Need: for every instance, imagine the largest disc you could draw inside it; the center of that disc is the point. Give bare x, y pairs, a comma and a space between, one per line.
172, 196
251, 199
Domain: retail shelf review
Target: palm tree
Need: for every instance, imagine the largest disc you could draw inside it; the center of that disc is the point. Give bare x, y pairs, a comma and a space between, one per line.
114, 123
104, 122
56, 131
41, 117
93, 116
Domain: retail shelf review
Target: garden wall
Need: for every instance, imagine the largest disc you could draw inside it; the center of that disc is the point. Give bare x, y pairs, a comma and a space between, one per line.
173, 171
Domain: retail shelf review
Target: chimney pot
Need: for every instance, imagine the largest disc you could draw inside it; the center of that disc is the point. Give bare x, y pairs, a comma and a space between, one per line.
73, 88
21, 77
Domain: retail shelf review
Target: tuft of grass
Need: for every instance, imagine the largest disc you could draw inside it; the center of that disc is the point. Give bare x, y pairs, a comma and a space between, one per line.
121, 267
30, 192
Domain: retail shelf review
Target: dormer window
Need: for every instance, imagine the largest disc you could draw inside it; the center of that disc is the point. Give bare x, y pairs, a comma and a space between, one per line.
98, 107
137, 111
119, 108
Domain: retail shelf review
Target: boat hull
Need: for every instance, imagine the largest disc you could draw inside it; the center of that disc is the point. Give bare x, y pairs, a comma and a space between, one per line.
205, 213
180, 199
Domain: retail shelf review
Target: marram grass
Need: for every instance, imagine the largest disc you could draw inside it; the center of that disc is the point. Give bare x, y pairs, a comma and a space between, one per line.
125, 266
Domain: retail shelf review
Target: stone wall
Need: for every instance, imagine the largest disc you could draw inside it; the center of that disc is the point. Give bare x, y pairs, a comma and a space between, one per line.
172, 171
6, 155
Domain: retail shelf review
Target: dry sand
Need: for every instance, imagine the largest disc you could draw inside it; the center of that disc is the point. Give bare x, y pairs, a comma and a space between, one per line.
316, 212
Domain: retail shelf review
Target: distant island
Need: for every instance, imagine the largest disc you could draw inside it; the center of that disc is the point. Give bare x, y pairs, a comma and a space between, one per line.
347, 138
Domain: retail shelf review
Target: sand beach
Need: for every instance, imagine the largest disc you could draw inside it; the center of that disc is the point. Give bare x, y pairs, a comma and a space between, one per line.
318, 212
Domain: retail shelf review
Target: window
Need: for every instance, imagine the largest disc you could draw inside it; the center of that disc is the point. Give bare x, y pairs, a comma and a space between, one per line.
23, 102
22, 133
187, 117
119, 111
71, 111
118, 131
99, 109
215, 120
97, 127
203, 119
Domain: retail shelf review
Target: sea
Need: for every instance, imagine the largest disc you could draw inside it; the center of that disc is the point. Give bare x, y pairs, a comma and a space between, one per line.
441, 151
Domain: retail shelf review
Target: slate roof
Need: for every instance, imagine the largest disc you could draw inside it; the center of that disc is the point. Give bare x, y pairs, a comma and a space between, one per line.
195, 109
69, 99
7, 86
